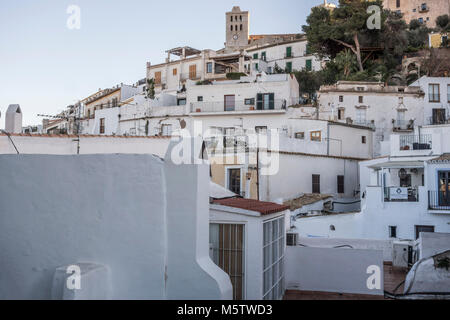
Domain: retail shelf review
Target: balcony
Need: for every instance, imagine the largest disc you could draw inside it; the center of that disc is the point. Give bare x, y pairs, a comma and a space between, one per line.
438, 200
189, 76
401, 194
424, 8
415, 142
403, 125
364, 123
438, 120
249, 105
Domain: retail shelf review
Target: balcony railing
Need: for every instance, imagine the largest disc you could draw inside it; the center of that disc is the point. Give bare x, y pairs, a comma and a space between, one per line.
403, 125
364, 123
190, 76
415, 142
438, 120
242, 105
401, 194
438, 200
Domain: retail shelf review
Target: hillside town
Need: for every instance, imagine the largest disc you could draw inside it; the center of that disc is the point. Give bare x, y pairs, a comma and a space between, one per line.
279, 167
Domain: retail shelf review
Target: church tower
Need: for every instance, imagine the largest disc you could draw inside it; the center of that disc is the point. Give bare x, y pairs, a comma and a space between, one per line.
237, 24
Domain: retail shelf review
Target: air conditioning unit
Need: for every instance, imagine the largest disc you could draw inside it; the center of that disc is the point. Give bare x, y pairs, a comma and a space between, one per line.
402, 253
291, 239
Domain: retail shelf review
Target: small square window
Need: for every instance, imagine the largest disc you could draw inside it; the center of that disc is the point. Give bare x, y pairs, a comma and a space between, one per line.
341, 98
316, 136
361, 99
249, 102
363, 139
300, 135
199, 98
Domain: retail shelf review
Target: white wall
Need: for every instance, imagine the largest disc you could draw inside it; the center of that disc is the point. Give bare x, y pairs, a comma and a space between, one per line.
35, 144
332, 270
132, 219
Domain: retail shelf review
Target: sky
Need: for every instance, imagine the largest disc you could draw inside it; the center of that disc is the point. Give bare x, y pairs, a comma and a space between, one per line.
45, 66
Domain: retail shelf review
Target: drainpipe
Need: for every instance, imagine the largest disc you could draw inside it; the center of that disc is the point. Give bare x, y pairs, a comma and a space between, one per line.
257, 172
328, 138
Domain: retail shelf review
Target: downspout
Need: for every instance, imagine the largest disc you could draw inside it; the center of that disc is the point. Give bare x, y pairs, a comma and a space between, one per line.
328, 138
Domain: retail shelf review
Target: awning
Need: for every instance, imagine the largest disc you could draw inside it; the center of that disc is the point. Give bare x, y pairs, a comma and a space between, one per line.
398, 165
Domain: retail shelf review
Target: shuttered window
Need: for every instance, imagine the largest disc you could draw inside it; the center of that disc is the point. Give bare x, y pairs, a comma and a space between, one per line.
265, 101
316, 183
340, 184
309, 65
193, 71
158, 77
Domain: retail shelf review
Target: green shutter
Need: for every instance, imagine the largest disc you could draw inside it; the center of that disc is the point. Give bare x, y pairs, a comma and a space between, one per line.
288, 67
255, 56
259, 101
288, 52
309, 65
263, 56
271, 101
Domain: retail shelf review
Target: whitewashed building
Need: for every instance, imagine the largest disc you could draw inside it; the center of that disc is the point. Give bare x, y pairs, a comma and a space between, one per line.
387, 109
436, 102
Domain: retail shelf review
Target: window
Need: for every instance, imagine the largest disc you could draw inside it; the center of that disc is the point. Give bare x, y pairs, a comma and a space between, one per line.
288, 52
359, 88
158, 77
360, 116
227, 250
234, 180
263, 56
433, 92
229, 103
257, 66
300, 135
360, 99
316, 183
249, 102
193, 71
114, 102
200, 98
175, 71
309, 65
363, 139
209, 67
102, 125
265, 101
240, 28
166, 130
392, 231
255, 56
420, 20
261, 129
341, 112
181, 102
420, 229
341, 98
231, 18
398, 3
288, 67
273, 257
340, 184
316, 136
448, 93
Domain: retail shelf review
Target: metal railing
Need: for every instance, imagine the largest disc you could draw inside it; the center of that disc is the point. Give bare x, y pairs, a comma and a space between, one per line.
186, 76
415, 142
240, 105
401, 194
364, 123
403, 125
438, 120
438, 200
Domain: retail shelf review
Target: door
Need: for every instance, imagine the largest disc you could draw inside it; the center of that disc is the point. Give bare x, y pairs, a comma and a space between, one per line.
438, 116
265, 101
193, 71
444, 188
234, 180
230, 103
420, 229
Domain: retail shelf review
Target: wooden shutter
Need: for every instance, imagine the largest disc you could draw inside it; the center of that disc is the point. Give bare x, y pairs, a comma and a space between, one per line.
259, 101
193, 71
288, 52
158, 77
308, 65
315, 183
271, 101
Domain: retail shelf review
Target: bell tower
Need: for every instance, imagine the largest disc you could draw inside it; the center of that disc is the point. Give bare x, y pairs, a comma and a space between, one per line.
237, 24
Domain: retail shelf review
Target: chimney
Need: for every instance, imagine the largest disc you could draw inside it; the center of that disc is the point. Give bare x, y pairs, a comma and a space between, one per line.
13, 119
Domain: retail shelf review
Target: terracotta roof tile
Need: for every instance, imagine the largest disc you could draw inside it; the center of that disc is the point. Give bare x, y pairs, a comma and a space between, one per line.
443, 158
253, 205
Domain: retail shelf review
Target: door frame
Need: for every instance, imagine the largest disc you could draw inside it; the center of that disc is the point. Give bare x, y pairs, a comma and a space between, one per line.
225, 102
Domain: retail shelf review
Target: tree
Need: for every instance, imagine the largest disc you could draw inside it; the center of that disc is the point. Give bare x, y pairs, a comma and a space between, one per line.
346, 63
330, 31
150, 89
443, 23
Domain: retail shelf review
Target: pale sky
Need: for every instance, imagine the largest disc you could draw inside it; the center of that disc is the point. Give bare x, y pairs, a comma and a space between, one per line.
44, 66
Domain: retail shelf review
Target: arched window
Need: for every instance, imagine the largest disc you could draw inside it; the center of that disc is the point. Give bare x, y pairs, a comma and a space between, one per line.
240, 18
241, 27
231, 27
231, 18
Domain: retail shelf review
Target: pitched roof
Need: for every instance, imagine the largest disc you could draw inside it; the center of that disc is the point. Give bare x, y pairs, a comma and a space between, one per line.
443, 158
308, 198
262, 207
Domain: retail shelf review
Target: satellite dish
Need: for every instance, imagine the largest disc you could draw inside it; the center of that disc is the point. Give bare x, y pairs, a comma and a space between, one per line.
402, 173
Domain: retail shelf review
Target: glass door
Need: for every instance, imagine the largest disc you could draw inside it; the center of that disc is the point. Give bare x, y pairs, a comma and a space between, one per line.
230, 103
444, 188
